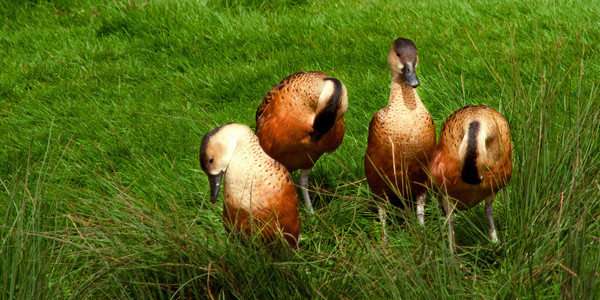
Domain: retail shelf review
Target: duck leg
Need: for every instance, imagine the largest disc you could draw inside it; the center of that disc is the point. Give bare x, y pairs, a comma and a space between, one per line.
382, 217
450, 219
421, 208
489, 212
304, 187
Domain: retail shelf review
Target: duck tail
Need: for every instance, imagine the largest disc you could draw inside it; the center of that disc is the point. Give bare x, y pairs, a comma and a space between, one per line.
469, 172
333, 95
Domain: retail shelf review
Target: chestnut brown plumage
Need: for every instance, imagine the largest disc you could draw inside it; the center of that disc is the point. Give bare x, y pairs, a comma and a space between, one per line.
472, 162
259, 195
401, 136
301, 118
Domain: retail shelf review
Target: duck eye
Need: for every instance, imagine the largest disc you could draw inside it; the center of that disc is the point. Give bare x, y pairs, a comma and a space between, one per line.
211, 160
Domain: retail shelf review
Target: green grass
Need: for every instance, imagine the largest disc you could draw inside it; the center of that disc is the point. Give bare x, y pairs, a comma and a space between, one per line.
103, 107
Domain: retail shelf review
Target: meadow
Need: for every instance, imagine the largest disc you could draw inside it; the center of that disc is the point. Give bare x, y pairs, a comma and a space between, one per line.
103, 105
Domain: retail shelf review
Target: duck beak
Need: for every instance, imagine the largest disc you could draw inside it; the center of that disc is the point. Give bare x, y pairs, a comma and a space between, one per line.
411, 75
215, 186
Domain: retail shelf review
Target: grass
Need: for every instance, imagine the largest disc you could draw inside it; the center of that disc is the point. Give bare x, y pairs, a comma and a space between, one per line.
103, 106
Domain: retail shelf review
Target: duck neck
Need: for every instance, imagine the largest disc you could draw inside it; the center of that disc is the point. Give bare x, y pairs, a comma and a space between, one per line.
401, 94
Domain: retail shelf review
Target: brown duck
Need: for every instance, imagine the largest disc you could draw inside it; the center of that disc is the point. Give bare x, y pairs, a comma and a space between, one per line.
472, 162
401, 136
259, 195
301, 118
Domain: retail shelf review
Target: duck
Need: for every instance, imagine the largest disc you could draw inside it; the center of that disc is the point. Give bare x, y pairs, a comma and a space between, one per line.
472, 162
401, 137
300, 119
259, 195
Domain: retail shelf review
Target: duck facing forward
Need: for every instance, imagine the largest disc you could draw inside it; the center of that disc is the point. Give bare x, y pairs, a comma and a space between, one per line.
259, 195
472, 162
401, 136
301, 118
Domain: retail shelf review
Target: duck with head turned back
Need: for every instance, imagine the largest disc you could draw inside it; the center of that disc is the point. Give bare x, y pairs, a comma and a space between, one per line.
401, 136
472, 162
259, 195
301, 118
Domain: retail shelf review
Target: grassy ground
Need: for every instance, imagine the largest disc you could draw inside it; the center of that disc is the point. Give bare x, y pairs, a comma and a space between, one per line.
103, 106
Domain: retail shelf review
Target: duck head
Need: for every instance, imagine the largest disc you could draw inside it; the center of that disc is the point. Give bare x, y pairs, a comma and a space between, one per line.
403, 61
216, 151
